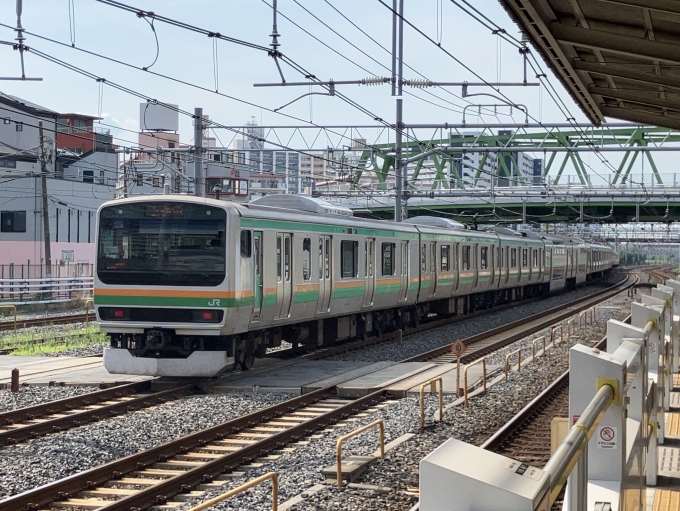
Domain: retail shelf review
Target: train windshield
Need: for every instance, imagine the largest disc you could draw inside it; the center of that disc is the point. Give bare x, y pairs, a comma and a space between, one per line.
162, 244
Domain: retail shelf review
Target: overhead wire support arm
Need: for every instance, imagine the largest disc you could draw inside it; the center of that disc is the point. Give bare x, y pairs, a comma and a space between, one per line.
417, 83
275, 53
21, 47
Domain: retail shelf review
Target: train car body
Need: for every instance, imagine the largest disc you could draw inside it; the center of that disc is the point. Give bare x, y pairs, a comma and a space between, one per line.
189, 286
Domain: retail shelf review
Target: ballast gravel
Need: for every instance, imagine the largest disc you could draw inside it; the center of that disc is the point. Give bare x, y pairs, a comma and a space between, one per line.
419, 343
56, 456
34, 395
53, 457
300, 469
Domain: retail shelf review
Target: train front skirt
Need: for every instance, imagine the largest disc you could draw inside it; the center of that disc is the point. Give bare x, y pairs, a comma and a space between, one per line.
204, 364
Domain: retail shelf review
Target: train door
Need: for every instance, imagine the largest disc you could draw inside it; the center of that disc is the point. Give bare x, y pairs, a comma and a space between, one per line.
475, 266
403, 294
325, 274
369, 271
258, 292
455, 267
506, 265
284, 268
433, 269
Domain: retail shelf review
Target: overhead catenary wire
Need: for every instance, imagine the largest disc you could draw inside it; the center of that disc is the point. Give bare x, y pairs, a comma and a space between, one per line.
184, 82
282, 57
361, 169
461, 63
542, 76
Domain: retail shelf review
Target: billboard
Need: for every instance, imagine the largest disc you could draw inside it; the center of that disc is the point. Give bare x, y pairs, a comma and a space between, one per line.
155, 117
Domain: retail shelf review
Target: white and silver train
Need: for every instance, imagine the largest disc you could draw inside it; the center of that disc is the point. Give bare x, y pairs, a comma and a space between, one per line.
189, 286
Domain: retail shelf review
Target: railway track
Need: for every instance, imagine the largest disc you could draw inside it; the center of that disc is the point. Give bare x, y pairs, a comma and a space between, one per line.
82, 317
527, 436
484, 343
26, 423
184, 468
330, 351
167, 474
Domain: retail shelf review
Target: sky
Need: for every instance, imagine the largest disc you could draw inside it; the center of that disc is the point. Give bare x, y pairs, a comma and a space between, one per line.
188, 56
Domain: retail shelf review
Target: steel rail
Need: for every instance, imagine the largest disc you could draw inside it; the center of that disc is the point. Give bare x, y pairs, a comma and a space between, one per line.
51, 320
68, 419
517, 330
153, 495
60, 405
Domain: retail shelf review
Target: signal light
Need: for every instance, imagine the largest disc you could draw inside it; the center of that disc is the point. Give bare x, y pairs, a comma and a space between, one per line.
208, 316
118, 313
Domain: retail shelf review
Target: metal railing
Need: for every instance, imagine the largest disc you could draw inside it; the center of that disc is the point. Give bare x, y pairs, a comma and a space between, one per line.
275, 492
338, 445
465, 378
533, 348
15, 313
574, 446
506, 368
553, 338
433, 388
570, 458
87, 311
44, 290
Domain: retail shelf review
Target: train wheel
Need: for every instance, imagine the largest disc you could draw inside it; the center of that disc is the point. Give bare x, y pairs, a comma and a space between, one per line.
248, 361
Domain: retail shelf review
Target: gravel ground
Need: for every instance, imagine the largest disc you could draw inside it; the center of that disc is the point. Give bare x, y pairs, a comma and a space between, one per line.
56, 456
94, 350
419, 343
300, 469
53, 457
35, 395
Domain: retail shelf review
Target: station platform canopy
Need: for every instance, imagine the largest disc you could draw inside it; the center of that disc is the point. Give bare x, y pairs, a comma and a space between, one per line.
617, 58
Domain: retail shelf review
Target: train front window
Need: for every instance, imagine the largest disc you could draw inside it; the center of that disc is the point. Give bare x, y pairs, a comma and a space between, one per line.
163, 244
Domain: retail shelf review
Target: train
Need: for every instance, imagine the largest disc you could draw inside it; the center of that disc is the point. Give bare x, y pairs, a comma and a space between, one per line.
190, 287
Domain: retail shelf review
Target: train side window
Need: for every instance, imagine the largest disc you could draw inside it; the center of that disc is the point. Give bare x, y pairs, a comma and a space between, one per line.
388, 265
525, 259
404, 257
246, 243
465, 259
513, 258
286, 259
307, 259
499, 258
278, 258
445, 254
320, 258
535, 263
433, 260
423, 259
484, 258
365, 258
327, 258
348, 257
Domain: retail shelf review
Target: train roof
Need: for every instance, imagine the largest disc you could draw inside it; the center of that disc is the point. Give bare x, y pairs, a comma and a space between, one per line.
302, 203
435, 221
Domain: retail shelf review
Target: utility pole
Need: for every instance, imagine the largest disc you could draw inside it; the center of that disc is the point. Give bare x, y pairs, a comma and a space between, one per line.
397, 80
45, 210
199, 178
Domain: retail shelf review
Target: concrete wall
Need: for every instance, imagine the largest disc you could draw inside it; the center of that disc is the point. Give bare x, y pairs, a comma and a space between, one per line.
72, 213
28, 138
